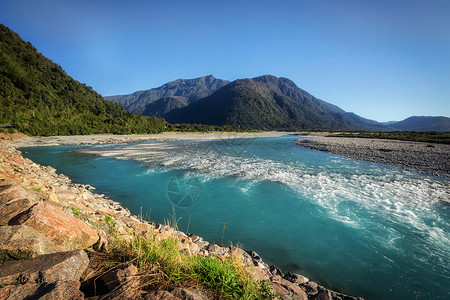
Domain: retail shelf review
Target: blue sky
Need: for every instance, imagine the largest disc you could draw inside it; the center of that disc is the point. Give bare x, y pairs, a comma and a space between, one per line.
384, 60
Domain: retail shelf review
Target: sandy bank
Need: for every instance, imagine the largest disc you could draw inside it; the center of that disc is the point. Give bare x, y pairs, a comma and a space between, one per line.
116, 139
422, 157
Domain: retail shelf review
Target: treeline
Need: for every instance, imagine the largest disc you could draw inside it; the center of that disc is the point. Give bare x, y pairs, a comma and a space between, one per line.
415, 136
39, 98
205, 128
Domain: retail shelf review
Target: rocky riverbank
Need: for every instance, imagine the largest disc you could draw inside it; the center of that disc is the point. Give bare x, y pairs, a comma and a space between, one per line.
55, 237
422, 157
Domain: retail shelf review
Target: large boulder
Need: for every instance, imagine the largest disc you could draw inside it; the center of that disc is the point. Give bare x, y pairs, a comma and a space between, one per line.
61, 266
67, 232
22, 242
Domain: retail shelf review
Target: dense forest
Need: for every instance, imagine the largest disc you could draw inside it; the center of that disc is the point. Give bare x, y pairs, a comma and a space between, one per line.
38, 98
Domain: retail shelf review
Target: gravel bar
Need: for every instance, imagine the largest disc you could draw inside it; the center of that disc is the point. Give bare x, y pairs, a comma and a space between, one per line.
422, 157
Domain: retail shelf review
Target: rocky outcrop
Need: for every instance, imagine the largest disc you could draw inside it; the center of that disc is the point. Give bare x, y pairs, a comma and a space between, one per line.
44, 215
61, 266
20, 242
69, 290
67, 232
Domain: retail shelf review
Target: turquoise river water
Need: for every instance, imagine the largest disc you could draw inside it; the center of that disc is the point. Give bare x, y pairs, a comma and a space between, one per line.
361, 228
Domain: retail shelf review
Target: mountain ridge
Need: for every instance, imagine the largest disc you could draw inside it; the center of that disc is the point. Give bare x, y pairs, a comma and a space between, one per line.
268, 103
186, 92
422, 123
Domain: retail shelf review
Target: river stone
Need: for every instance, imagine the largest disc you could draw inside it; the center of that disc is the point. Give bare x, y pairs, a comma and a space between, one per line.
67, 232
21, 242
49, 291
61, 266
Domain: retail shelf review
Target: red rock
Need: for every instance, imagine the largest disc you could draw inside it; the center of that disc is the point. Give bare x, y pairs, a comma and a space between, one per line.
69, 290
67, 232
20, 242
61, 266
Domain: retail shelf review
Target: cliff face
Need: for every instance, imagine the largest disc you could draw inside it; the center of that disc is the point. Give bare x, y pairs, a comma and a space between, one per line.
56, 237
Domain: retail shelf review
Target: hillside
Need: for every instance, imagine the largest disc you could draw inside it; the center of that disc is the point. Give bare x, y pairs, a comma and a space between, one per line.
423, 123
175, 94
269, 103
39, 98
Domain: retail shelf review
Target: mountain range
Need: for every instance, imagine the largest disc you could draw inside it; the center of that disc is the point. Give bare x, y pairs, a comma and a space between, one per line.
421, 123
264, 102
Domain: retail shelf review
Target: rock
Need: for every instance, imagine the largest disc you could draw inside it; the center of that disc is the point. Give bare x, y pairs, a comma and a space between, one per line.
124, 277
189, 294
22, 242
216, 250
311, 288
102, 243
49, 291
295, 278
12, 209
324, 294
67, 232
13, 201
259, 274
61, 266
160, 295
142, 229
275, 271
10, 192
292, 289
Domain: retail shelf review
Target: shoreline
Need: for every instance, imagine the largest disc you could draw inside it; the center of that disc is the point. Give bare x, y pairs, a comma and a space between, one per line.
423, 157
119, 139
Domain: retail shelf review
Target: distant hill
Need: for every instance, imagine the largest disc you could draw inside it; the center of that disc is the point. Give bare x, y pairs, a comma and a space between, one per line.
269, 103
39, 98
175, 94
423, 123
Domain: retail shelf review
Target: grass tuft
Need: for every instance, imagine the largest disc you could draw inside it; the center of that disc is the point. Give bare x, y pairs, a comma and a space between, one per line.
164, 266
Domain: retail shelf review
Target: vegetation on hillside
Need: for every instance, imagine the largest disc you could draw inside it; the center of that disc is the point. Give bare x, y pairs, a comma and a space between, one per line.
268, 103
415, 136
39, 98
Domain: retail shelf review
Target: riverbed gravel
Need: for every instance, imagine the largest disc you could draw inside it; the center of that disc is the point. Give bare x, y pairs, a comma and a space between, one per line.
422, 157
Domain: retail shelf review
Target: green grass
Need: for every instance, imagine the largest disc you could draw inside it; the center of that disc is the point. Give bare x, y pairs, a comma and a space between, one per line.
163, 266
414, 136
75, 211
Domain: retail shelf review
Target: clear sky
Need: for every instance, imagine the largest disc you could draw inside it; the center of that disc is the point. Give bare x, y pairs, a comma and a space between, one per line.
382, 59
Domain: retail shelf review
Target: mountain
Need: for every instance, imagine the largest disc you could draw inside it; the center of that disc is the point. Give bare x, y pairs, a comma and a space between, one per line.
388, 123
175, 94
268, 103
423, 123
